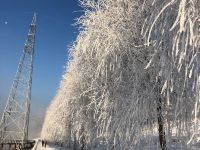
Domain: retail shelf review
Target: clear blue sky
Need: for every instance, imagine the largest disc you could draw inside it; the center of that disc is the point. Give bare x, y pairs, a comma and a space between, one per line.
54, 34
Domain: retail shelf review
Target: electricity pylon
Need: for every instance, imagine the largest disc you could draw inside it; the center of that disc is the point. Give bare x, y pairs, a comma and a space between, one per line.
15, 120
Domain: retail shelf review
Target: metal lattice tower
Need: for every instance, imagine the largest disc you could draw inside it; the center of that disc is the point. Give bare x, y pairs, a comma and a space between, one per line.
15, 120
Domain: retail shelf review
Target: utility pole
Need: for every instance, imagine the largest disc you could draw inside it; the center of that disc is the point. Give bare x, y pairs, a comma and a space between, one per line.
15, 120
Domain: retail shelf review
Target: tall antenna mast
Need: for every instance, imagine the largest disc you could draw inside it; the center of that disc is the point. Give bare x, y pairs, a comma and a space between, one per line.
15, 120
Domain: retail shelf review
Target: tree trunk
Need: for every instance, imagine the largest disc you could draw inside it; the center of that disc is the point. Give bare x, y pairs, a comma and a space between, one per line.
161, 131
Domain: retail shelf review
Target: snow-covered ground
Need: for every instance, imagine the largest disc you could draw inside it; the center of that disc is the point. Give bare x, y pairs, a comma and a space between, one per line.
38, 146
171, 146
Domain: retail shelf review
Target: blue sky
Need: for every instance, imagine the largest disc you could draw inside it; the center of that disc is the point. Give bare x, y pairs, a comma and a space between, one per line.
55, 33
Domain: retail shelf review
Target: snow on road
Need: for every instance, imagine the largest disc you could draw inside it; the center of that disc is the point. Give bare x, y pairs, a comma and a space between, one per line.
38, 146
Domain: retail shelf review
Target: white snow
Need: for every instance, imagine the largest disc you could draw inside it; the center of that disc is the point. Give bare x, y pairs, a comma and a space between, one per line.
38, 146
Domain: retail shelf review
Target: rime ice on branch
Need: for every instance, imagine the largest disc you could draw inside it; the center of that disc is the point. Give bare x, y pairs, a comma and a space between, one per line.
108, 97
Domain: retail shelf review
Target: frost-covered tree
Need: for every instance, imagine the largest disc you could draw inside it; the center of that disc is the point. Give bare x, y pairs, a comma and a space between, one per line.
132, 80
173, 29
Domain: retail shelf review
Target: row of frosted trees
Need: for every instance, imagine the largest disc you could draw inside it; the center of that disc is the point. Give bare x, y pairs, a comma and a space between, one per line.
132, 81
